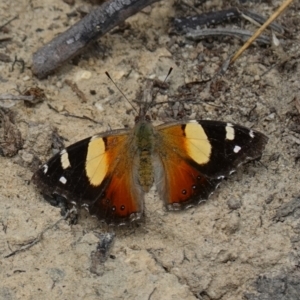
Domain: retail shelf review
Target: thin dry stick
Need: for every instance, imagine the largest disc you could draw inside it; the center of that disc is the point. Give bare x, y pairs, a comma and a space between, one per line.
76, 90
16, 97
238, 33
261, 29
6, 23
40, 236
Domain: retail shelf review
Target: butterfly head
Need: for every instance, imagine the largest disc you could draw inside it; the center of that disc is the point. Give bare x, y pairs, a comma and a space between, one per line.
148, 100
143, 115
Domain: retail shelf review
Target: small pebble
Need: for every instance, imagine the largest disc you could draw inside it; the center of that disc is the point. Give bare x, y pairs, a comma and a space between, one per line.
99, 106
147, 10
186, 106
58, 107
59, 84
27, 157
234, 203
26, 78
82, 75
270, 117
86, 75
91, 62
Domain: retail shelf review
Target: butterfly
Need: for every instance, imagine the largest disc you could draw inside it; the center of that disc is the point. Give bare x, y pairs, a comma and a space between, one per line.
109, 173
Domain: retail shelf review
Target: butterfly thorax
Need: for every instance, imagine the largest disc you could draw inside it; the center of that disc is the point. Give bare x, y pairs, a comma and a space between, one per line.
144, 144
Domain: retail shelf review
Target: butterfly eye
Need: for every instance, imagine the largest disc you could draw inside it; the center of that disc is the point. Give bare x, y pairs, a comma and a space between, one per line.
194, 187
113, 208
122, 207
184, 192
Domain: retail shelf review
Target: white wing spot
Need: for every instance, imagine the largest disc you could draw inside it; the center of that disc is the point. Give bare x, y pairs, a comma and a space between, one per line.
63, 180
236, 149
251, 133
229, 132
45, 169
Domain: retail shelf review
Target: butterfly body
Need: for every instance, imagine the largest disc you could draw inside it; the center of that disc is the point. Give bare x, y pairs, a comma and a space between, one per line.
110, 173
143, 151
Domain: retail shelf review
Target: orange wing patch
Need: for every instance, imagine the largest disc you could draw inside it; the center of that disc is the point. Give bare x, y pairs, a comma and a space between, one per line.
184, 185
187, 140
119, 200
181, 149
110, 167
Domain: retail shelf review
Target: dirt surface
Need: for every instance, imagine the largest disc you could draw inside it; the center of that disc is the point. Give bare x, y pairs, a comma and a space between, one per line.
241, 244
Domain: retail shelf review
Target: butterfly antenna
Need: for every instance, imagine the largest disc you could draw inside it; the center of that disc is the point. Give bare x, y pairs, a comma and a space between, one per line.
153, 98
107, 74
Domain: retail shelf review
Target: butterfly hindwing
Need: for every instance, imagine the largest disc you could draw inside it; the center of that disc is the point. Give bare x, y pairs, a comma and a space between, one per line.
183, 185
91, 174
197, 155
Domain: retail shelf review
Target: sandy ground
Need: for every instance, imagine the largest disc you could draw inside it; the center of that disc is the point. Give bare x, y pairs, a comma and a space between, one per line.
241, 244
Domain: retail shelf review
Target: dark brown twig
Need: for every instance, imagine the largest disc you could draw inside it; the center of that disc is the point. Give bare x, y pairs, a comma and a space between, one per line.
76, 90
186, 24
212, 18
9, 21
19, 61
5, 38
32, 95
70, 43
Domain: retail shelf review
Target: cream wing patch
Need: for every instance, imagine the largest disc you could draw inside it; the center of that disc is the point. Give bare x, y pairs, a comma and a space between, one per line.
229, 132
64, 159
96, 161
197, 143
